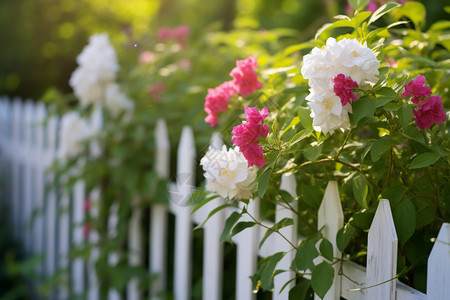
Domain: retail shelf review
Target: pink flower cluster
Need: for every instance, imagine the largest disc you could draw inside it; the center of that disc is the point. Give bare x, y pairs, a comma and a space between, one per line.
417, 89
245, 81
429, 110
246, 136
156, 90
343, 86
217, 101
179, 34
245, 77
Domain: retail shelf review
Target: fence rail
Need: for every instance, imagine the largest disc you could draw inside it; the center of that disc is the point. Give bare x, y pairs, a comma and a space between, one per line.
27, 148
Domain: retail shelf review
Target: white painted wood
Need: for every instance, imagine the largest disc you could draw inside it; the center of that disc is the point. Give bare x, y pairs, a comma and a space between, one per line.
15, 145
288, 184
113, 257
27, 189
39, 182
382, 255
438, 281
135, 249
77, 210
247, 255
91, 205
183, 225
212, 247
331, 217
63, 244
158, 221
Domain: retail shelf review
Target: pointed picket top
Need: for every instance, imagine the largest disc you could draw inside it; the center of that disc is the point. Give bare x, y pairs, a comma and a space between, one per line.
162, 149
41, 112
289, 184
382, 254
331, 217
17, 116
29, 122
185, 168
438, 287
216, 141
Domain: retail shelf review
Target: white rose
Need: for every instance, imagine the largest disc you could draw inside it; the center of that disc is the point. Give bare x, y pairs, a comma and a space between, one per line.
227, 173
116, 101
73, 131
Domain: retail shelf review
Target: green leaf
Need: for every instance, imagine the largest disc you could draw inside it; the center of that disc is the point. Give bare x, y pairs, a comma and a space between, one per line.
300, 291
362, 219
305, 117
212, 213
405, 220
384, 96
424, 160
344, 236
415, 11
358, 4
361, 17
405, 115
162, 193
242, 226
312, 151
232, 219
300, 136
384, 9
294, 122
311, 195
264, 182
322, 278
363, 107
392, 106
294, 48
379, 147
306, 254
281, 224
326, 249
360, 190
394, 194
268, 271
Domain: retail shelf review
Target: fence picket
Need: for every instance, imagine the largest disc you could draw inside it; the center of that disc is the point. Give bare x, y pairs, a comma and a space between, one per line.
438, 281
158, 221
212, 247
382, 255
113, 257
183, 223
77, 236
288, 184
27, 184
15, 145
331, 217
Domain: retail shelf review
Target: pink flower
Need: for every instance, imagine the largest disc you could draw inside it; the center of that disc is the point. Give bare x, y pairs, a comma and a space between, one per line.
180, 34
246, 136
217, 100
428, 112
372, 6
87, 204
156, 90
164, 34
245, 77
416, 88
86, 229
146, 57
185, 63
343, 88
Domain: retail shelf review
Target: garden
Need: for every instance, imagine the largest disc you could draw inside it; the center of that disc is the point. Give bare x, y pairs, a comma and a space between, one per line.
293, 149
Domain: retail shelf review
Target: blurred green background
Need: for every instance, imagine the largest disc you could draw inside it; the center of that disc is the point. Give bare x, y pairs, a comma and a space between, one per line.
40, 39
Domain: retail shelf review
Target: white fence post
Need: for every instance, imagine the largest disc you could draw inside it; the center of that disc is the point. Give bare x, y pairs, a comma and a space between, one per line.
113, 257
135, 248
382, 255
78, 197
289, 185
158, 221
247, 254
15, 145
183, 224
331, 217
212, 247
27, 184
438, 281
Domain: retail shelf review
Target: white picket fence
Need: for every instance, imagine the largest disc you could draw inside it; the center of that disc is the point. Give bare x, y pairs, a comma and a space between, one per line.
27, 148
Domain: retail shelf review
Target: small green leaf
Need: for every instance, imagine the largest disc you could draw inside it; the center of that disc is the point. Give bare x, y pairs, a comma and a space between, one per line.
242, 226
391, 106
358, 4
305, 255
305, 117
212, 213
384, 96
300, 291
363, 107
268, 271
379, 147
283, 223
405, 220
360, 190
264, 182
322, 278
294, 122
344, 236
424, 160
312, 151
326, 249
384, 9
405, 115
394, 194
362, 219
300, 136
229, 223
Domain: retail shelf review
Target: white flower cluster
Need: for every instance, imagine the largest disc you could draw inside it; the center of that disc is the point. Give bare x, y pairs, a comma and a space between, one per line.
94, 80
346, 57
227, 173
74, 130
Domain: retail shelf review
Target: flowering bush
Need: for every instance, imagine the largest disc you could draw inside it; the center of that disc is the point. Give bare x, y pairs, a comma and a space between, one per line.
344, 113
